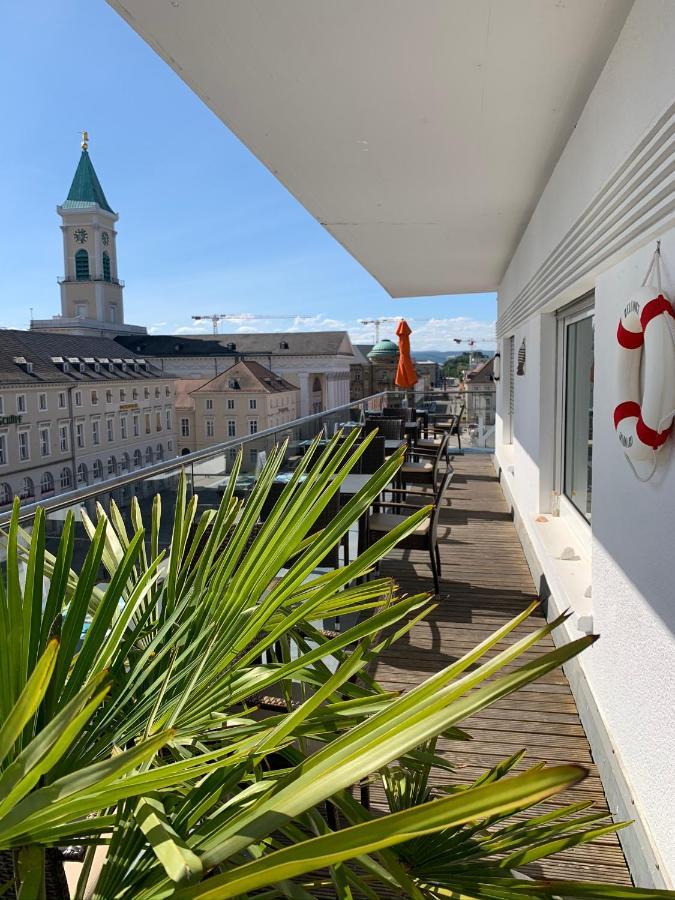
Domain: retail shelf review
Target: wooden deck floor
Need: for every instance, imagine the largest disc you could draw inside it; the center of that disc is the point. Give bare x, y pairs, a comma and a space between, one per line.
485, 582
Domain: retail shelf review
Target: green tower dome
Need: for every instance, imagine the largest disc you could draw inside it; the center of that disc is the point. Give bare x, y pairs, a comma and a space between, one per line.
384, 352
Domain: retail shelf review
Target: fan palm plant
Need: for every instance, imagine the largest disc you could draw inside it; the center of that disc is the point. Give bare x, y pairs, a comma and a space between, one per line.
130, 717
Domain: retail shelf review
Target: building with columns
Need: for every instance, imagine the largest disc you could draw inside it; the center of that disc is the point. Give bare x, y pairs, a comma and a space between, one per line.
92, 300
316, 362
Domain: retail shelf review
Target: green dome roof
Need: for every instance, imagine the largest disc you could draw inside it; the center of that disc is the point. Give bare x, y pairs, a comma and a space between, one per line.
384, 351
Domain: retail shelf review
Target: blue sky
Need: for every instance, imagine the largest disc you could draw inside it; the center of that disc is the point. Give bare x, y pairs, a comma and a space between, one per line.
203, 228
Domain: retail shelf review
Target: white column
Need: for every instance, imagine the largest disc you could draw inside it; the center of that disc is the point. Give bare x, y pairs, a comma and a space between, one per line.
305, 393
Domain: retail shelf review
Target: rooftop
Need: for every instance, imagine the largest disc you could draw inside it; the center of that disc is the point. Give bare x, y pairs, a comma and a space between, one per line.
250, 376
86, 190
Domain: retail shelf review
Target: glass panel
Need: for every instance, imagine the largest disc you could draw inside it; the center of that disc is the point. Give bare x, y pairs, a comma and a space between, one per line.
578, 436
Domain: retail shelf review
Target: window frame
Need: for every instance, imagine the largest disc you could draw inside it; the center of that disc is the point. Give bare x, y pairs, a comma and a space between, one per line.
582, 308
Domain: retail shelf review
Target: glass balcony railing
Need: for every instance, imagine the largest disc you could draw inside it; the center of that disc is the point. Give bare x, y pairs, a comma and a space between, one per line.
208, 471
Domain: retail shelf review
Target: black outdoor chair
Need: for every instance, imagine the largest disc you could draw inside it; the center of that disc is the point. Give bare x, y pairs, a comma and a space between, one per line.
425, 467
425, 536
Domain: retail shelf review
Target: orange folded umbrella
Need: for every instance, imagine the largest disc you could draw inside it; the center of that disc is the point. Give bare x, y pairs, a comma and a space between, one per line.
406, 376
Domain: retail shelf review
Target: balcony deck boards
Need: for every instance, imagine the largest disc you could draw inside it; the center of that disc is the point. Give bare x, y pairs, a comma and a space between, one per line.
485, 582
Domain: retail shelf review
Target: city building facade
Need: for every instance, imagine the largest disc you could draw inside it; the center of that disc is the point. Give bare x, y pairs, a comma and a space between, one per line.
246, 399
74, 411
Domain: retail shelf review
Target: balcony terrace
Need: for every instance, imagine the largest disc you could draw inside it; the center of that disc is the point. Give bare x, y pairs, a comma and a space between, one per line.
485, 582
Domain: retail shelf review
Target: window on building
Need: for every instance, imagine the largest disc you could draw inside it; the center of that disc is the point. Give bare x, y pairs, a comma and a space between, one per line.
125, 463
108, 397
46, 483
232, 428
209, 403
148, 455
2, 406
252, 426
137, 425
123, 395
185, 427
21, 403
66, 478
158, 420
106, 266
82, 474
168, 419
82, 310
169, 446
110, 429
27, 489
62, 399
95, 432
112, 312
3, 449
233, 384
134, 394
97, 470
112, 465
146, 393
156, 393
123, 427
167, 391
94, 398
253, 403
78, 398
160, 452
79, 435
45, 448
232, 453
577, 424
5, 493
210, 428
138, 458
230, 402
148, 424
81, 265
42, 402
24, 446
64, 440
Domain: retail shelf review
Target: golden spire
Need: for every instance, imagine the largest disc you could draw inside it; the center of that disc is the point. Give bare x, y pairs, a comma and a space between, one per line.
85, 140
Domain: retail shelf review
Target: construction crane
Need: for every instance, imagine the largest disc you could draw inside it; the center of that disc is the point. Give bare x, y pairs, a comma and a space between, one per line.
216, 318
378, 322
471, 344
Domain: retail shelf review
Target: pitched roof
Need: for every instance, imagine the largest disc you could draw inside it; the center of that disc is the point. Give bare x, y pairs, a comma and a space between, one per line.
86, 190
41, 350
300, 343
171, 345
251, 376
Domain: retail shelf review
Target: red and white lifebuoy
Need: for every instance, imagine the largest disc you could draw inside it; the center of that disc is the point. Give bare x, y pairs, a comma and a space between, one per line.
643, 420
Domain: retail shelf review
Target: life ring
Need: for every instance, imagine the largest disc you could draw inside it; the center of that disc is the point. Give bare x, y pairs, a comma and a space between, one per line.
644, 421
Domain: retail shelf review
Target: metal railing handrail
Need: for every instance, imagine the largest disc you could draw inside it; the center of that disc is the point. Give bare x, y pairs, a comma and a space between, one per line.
79, 495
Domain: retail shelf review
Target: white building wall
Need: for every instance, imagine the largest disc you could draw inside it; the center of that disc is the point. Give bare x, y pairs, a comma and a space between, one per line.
625, 684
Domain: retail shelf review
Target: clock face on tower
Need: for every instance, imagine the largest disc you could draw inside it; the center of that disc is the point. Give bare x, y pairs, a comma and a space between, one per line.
105, 237
80, 235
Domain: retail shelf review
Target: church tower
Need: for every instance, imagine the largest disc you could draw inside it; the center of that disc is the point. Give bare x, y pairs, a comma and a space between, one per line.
91, 292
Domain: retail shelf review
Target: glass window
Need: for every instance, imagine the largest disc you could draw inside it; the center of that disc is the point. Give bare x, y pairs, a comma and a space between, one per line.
42, 404
66, 478
47, 483
5, 493
24, 448
137, 426
578, 413
78, 398
95, 432
253, 403
21, 403
231, 428
230, 402
110, 429
45, 449
3, 450
82, 474
209, 403
138, 458
108, 397
27, 489
79, 434
210, 428
94, 398
62, 400
64, 441
123, 427
253, 426
185, 427
98, 468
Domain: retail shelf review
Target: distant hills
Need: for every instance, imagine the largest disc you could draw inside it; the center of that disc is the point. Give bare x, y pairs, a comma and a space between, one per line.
440, 356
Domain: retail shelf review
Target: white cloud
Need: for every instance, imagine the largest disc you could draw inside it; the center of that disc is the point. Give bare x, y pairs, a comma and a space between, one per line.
157, 327
191, 329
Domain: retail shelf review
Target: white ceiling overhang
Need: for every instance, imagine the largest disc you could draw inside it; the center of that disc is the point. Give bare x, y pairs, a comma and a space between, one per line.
420, 133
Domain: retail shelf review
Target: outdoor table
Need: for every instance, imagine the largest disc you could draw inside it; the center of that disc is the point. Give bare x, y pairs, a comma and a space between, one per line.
393, 444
